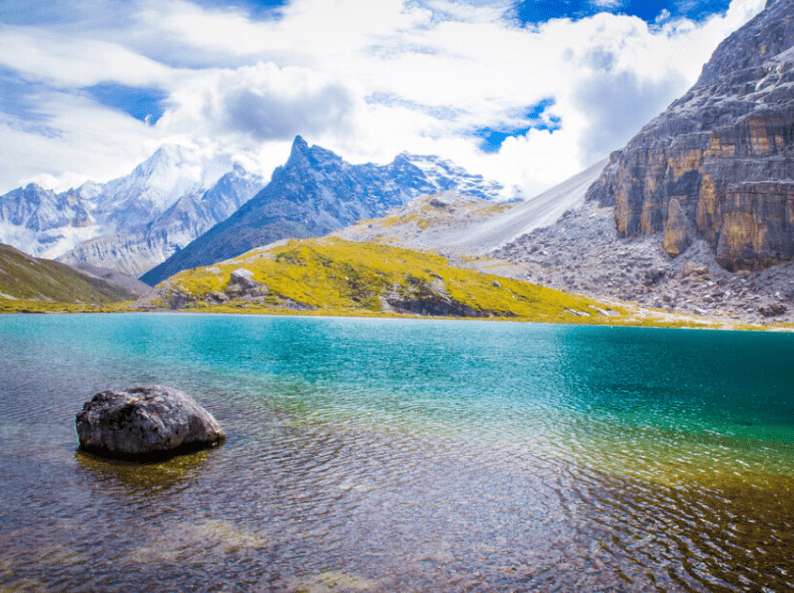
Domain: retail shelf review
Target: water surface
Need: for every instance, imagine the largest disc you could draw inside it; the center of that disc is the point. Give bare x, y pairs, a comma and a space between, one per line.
381, 455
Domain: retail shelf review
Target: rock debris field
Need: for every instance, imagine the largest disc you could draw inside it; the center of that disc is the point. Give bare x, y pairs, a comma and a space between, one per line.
583, 254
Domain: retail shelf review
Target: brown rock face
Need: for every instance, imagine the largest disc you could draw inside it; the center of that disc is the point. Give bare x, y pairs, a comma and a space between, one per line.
719, 163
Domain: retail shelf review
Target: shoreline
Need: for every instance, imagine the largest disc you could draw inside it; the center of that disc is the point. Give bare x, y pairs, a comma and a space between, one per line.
637, 316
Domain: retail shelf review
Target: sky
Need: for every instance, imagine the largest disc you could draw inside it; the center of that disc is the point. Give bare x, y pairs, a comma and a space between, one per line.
527, 93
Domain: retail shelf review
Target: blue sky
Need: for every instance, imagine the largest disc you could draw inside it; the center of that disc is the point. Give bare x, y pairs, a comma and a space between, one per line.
525, 92
650, 11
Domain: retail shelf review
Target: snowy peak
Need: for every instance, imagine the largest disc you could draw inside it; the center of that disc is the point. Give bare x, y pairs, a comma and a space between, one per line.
447, 176
157, 183
127, 210
38, 209
300, 149
231, 191
316, 192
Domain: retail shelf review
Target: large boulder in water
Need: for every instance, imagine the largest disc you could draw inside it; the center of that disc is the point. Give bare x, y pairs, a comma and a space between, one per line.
143, 423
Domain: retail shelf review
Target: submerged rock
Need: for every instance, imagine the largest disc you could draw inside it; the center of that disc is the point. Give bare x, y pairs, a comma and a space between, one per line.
144, 423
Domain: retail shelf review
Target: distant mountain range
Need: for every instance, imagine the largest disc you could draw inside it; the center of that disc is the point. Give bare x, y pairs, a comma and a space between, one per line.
317, 192
151, 216
131, 223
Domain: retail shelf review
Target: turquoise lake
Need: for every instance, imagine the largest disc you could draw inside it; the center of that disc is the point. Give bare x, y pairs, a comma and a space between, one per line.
403, 455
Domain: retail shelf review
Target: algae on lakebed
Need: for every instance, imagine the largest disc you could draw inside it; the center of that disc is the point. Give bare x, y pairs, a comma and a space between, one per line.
143, 478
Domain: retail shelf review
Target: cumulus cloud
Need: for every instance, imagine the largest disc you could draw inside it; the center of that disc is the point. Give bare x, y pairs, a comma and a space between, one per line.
365, 79
617, 106
272, 104
268, 117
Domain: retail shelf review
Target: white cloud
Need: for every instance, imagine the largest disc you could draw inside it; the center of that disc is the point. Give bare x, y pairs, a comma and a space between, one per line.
365, 79
73, 145
67, 62
608, 4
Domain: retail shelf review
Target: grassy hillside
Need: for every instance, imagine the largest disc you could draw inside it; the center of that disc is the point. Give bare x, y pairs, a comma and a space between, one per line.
26, 278
335, 277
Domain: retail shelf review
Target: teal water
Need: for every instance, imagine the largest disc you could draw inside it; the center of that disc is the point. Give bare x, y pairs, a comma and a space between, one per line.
382, 455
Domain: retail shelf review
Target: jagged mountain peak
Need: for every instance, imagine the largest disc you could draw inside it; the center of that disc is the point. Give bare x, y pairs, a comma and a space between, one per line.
34, 193
316, 192
167, 164
164, 166
312, 157
299, 145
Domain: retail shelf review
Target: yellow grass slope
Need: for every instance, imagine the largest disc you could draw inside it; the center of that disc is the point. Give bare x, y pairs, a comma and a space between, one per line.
335, 277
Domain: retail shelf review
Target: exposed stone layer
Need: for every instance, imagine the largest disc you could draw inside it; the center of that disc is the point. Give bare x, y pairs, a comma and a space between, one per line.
718, 165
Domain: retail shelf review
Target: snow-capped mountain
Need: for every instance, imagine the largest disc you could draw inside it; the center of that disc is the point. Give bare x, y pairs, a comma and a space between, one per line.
156, 184
137, 251
131, 223
43, 223
316, 192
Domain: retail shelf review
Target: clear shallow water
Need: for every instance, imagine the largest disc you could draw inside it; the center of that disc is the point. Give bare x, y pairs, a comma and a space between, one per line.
380, 455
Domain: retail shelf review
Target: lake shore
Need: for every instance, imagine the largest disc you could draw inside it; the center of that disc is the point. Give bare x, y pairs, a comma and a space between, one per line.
635, 315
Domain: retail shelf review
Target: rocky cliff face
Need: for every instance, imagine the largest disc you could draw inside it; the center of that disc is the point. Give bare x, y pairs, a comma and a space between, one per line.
718, 165
317, 192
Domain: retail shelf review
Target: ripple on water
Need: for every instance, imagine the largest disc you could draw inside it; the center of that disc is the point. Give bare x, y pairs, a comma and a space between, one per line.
358, 479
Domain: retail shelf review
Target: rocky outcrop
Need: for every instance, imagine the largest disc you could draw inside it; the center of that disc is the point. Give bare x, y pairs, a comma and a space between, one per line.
240, 289
242, 283
428, 299
145, 423
718, 165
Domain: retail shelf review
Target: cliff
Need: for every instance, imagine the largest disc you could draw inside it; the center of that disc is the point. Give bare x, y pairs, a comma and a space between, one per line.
718, 164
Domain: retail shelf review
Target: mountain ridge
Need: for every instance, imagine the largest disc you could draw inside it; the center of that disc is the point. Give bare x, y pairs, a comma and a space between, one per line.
316, 192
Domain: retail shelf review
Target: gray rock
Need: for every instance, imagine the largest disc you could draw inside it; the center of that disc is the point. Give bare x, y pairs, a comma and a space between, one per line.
144, 423
772, 310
